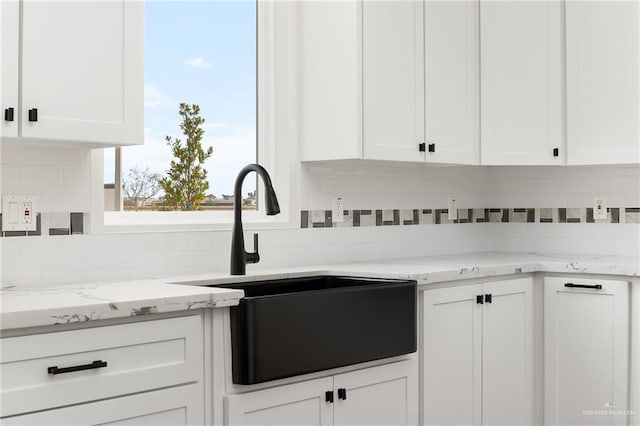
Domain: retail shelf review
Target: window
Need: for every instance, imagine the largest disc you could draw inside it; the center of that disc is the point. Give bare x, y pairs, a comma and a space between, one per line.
203, 53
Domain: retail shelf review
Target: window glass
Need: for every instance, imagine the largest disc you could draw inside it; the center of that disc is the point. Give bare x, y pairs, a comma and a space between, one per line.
197, 53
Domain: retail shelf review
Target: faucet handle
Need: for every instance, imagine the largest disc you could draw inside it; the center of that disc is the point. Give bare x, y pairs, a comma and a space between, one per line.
255, 256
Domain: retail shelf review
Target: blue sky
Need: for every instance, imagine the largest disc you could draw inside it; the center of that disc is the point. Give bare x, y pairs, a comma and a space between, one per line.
199, 52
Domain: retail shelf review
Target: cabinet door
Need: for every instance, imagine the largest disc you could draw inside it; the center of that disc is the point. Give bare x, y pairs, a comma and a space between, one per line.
386, 395
603, 89
452, 81
507, 354
452, 356
521, 82
169, 407
393, 80
9, 33
586, 343
82, 69
299, 404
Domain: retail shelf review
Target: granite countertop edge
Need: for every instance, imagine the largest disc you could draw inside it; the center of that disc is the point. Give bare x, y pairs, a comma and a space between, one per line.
23, 307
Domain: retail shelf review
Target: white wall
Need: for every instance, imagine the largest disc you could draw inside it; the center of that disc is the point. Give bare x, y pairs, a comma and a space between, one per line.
60, 178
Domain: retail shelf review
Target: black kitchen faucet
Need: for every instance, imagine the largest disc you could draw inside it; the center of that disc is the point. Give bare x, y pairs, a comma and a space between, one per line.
239, 256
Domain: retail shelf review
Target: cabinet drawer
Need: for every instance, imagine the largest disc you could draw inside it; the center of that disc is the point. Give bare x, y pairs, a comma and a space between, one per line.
138, 357
179, 406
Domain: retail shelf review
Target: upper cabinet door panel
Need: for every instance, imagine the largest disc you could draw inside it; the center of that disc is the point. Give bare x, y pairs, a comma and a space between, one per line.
82, 68
452, 81
603, 75
521, 82
9, 35
393, 80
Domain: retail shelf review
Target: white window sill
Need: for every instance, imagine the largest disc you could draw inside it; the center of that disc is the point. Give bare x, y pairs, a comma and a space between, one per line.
132, 222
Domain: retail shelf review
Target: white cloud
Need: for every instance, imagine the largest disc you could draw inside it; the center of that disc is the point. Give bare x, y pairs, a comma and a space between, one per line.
199, 62
154, 97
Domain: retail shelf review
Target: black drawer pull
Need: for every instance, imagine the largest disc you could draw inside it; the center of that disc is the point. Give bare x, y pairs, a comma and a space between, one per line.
342, 394
328, 397
9, 114
93, 365
422, 147
33, 114
595, 286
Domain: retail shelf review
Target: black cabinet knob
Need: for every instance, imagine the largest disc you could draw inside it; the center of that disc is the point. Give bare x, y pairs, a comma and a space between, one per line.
9, 114
432, 147
33, 114
556, 152
422, 147
488, 298
342, 394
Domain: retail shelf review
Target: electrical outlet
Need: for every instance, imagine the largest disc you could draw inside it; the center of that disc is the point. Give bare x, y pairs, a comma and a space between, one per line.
599, 208
18, 213
337, 212
452, 207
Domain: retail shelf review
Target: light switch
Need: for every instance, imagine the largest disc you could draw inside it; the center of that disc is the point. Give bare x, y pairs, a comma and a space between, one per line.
13, 213
18, 213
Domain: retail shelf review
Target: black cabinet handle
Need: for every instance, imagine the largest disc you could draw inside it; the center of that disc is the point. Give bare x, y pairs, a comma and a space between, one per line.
342, 394
432, 147
95, 364
8, 114
479, 299
422, 147
33, 114
488, 298
595, 286
556, 152
328, 397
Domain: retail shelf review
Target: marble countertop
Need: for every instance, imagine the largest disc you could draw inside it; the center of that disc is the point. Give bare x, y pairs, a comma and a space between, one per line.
29, 307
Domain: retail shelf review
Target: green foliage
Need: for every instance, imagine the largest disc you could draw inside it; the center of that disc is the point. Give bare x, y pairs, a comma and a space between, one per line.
186, 181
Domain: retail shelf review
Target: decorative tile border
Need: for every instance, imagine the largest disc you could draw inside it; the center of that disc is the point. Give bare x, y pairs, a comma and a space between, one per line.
59, 224
397, 217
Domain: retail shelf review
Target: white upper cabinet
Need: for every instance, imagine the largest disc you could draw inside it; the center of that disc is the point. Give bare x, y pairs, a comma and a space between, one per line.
362, 83
603, 82
452, 81
81, 71
9, 30
393, 80
521, 82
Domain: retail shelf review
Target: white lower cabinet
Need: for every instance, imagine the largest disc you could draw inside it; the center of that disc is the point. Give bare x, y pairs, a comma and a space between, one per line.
383, 395
177, 406
478, 354
586, 356
145, 372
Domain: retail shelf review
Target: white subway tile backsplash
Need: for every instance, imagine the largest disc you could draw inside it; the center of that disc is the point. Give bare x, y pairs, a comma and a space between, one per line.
60, 178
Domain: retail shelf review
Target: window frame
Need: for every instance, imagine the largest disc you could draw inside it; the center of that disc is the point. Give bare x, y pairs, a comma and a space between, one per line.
278, 158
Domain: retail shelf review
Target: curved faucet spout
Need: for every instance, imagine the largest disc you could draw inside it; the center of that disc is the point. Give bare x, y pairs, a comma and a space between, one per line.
239, 256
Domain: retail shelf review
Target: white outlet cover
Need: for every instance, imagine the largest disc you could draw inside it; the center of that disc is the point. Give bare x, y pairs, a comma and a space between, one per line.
19, 213
599, 208
452, 207
337, 211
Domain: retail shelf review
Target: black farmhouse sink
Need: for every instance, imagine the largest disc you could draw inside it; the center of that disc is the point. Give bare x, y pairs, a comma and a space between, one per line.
287, 327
